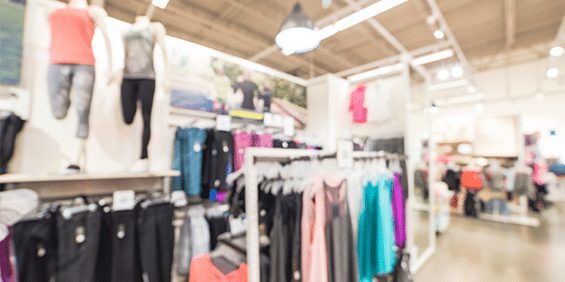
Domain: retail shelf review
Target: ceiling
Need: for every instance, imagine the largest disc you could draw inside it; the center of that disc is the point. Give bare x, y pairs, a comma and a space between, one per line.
245, 28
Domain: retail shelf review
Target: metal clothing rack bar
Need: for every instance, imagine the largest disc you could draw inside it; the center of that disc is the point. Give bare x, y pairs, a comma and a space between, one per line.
254, 155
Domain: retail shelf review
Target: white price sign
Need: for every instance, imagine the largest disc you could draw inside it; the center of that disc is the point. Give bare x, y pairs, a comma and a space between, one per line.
288, 126
123, 200
345, 154
223, 123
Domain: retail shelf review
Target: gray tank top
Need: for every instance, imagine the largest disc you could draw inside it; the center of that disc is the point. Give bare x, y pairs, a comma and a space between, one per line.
139, 45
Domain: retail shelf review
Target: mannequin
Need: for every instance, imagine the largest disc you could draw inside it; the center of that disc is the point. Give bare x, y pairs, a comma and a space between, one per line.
71, 68
138, 77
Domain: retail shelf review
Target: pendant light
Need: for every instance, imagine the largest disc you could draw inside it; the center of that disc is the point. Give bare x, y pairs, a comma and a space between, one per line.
297, 34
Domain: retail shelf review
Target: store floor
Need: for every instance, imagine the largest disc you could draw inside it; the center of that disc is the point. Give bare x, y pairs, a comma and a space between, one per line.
473, 250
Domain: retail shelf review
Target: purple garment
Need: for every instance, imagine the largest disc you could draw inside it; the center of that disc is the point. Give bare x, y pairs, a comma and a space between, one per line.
5, 265
398, 211
262, 140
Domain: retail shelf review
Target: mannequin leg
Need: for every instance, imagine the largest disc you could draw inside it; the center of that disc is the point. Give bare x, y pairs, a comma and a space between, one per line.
83, 86
59, 84
146, 95
130, 88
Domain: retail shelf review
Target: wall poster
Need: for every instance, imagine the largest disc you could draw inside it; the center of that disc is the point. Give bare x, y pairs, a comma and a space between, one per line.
12, 13
202, 80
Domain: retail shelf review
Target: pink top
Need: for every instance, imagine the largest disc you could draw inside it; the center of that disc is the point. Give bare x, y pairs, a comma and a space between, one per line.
203, 270
314, 253
357, 104
241, 141
262, 140
71, 37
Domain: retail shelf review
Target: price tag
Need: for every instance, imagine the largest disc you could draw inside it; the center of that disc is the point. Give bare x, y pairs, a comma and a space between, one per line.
268, 119
288, 126
123, 200
223, 123
345, 154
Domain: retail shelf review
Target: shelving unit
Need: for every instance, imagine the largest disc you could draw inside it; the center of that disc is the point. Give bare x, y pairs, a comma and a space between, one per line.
57, 186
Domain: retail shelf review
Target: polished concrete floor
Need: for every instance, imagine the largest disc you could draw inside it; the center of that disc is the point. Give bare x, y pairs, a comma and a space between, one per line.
480, 251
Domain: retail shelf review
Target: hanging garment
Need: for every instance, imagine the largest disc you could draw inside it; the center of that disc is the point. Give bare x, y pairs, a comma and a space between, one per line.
421, 182
402, 271
203, 270
314, 252
285, 239
262, 140
398, 212
6, 268
471, 180
496, 181
9, 129
540, 172
241, 141
187, 159
78, 239
470, 206
194, 239
453, 180
156, 241
218, 225
35, 243
339, 235
522, 184
217, 162
376, 231
357, 104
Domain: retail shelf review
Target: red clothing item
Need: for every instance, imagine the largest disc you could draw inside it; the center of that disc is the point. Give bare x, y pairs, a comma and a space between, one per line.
203, 270
71, 37
471, 180
357, 104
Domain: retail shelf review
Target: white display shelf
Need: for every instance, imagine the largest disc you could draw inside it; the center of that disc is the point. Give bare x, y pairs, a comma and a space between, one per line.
57, 186
31, 178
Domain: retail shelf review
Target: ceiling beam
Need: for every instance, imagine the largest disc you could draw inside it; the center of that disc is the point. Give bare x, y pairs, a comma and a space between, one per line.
510, 22
449, 34
393, 41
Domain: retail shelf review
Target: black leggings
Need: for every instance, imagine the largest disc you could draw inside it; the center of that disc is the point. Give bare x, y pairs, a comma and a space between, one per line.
144, 91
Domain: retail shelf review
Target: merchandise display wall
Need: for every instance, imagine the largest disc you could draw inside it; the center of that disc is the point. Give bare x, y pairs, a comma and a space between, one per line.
113, 145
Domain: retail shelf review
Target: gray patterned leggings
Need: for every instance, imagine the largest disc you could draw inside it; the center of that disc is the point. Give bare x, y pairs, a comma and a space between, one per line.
78, 79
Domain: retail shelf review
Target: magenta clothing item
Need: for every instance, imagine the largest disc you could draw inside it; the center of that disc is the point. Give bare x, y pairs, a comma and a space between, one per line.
398, 211
241, 141
357, 104
5, 266
262, 140
539, 173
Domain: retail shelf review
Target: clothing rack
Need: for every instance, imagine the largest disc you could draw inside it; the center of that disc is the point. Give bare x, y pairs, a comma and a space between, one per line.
254, 155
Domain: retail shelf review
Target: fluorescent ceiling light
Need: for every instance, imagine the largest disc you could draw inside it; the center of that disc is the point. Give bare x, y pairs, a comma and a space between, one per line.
359, 17
447, 85
552, 72
434, 57
438, 34
557, 51
160, 3
376, 72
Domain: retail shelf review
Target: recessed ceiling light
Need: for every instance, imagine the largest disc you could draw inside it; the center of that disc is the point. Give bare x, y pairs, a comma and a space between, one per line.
457, 71
438, 34
443, 75
552, 72
556, 51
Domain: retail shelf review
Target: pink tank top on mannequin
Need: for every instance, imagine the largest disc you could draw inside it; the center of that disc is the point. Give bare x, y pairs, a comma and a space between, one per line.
71, 37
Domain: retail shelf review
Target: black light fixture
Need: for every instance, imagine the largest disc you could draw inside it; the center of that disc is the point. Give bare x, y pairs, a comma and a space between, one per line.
297, 34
